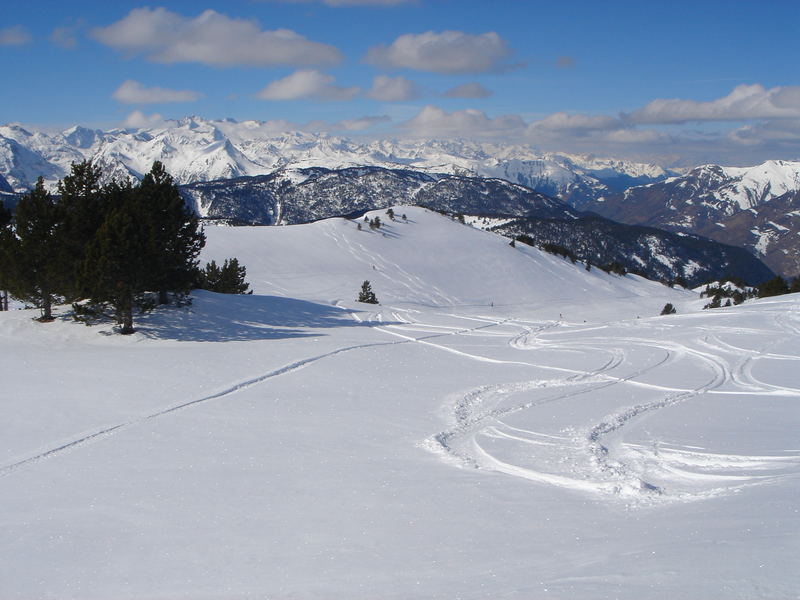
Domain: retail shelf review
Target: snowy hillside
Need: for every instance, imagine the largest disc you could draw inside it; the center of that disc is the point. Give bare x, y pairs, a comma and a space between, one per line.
503, 425
195, 149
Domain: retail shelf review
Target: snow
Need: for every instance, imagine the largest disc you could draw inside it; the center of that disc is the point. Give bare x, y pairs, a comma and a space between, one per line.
195, 149
503, 425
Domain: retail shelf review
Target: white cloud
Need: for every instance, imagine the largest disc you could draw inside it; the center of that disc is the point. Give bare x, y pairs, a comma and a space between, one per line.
14, 36
743, 103
468, 90
211, 39
363, 123
133, 92
393, 89
357, 124
138, 120
433, 121
447, 52
562, 121
307, 83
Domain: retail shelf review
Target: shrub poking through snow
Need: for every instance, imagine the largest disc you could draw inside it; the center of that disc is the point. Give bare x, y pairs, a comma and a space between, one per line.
366, 294
668, 309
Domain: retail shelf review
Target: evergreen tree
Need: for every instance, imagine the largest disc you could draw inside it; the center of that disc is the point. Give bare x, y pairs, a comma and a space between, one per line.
390, 214
668, 309
773, 287
6, 242
175, 236
367, 295
84, 205
116, 268
34, 261
228, 279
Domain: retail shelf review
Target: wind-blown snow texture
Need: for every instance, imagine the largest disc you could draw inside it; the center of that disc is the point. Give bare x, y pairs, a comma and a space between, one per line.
503, 425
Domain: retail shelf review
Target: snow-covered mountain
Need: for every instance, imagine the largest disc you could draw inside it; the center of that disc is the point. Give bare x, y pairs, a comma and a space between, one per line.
754, 207
195, 149
290, 196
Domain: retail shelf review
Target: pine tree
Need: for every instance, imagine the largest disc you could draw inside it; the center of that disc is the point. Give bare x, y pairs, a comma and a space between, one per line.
34, 266
115, 269
228, 279
367, 295
6, 243
773, 287
84, 205
390, 213
175, 236
668, 309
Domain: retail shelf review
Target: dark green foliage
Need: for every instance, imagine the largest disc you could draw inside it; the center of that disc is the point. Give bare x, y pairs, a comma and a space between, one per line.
84, 207
175, 237
795, 287
375, 223
512, 243
105, 247
404, 217
668, 309
615, 267
33, 252
525, 239
116, 268
390, 213
716, 302
588, 265
366, 294
556, 249
773, 287
227, 279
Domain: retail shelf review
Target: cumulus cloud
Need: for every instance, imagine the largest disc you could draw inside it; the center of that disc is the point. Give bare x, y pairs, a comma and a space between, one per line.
562, 121
133, 92
745, 102
307, 83
14, 36
138, 120
433, 121
393, 89
449, 52
211, 39
346, 125
468, 90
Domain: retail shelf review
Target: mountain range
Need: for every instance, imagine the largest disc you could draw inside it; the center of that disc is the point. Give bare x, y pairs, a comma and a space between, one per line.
195, 149
249, 172
757, 208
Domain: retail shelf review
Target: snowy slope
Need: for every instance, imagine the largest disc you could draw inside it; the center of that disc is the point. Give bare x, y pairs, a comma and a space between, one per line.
459, 440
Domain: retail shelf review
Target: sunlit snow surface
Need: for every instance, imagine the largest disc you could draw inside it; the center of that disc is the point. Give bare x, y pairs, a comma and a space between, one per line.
503, 425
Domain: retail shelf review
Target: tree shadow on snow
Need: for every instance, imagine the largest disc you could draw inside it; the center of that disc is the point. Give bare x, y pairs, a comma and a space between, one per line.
227, 317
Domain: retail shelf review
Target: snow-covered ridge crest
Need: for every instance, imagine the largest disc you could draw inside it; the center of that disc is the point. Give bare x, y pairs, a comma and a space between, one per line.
195, 149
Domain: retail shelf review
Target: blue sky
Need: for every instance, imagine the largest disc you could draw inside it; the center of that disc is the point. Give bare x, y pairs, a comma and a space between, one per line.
677, 82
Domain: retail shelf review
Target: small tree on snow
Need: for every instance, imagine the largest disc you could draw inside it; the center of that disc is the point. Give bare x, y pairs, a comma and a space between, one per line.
668, 309
367, 295
390, 214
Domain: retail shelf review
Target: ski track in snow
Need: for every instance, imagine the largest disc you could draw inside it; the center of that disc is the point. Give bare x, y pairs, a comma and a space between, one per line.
376, 317
593, 458
242, 385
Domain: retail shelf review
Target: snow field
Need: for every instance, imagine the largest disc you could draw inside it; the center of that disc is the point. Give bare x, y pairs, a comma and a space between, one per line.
500, 426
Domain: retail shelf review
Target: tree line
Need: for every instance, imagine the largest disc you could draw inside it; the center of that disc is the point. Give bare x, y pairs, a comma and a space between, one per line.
107, 248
